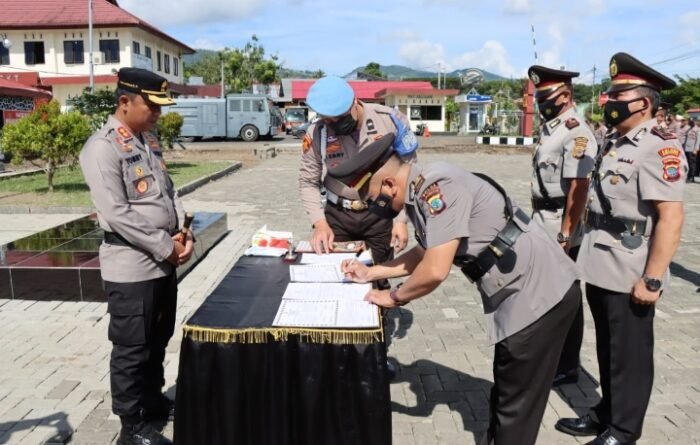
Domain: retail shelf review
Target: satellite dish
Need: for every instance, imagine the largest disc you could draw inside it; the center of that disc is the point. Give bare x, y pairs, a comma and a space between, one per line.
472, 77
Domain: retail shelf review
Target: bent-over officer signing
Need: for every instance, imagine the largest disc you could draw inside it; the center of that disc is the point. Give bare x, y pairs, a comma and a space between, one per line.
140, 213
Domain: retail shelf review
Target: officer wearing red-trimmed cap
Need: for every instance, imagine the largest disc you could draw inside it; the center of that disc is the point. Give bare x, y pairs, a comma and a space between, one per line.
140, 213
633, 227
347, 128
561, 168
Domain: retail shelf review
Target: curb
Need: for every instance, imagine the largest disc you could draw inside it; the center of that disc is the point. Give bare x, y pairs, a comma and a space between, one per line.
182, 191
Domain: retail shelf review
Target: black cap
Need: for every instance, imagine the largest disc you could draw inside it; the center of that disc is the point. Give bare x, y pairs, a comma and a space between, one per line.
151, 86
626, 73
357, 171
548, 80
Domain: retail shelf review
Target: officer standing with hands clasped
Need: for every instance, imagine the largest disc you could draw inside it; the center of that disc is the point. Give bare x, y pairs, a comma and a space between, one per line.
633, 228
348, 127
467, 220
562, 165
140, 212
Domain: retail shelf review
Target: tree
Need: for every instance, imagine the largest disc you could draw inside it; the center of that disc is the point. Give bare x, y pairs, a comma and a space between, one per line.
318, 74
374, 69
684, 96
208, 67
97, 107
168, 128
49, 135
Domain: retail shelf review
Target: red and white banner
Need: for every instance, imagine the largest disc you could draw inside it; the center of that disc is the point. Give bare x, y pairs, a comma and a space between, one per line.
10, 116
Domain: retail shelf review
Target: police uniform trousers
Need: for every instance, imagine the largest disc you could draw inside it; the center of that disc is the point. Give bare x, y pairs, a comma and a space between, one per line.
142, 320
570, 354
625, 345
692, 164
524, 365
350, 225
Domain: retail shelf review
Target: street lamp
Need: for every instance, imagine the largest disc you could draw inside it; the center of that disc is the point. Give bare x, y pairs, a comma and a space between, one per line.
7, 43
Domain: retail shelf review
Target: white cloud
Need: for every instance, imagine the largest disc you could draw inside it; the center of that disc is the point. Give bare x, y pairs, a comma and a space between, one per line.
422, 54
166, 12
207, 44
689, 27
517, 7
492, 56
551, 56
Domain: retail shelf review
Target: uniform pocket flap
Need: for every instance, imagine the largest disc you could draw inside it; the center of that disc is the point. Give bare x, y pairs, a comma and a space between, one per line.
120, 304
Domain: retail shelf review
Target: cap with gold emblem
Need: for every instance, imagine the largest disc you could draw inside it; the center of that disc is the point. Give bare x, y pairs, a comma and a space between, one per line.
151, 86
548, 80
626, 73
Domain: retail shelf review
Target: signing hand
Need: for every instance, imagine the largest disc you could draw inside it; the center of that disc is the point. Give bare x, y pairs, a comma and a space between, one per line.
380, 298
355, 271
322, 239
399, 236
642, 295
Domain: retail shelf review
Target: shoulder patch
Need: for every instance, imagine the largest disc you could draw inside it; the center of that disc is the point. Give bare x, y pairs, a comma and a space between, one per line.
306, 143
433, 197
663, 133
572, 122
672, 152
672, 169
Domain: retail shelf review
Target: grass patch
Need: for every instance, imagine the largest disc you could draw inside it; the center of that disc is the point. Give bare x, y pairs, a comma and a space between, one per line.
70, 189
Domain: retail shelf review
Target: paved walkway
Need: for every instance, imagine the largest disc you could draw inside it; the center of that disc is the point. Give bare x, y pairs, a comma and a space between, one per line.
54, 381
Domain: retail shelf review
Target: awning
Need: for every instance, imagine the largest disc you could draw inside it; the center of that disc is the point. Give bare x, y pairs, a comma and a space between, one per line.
10, 88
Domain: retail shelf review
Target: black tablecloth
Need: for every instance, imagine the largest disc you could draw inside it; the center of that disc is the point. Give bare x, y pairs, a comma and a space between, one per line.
242, 382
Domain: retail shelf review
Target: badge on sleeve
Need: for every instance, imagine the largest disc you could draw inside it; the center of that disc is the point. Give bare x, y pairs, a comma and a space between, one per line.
672, 169
580, 144
433, 197
306, 143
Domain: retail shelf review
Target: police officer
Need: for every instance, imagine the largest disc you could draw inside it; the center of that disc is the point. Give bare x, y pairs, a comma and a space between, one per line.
348, 127
140, 212
691, 142
561, 167
633, 228
466, 219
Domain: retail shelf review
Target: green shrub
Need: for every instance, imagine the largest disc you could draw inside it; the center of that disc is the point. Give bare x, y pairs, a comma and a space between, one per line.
169, 128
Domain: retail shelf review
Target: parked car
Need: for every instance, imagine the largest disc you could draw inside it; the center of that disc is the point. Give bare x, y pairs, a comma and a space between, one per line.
300, 131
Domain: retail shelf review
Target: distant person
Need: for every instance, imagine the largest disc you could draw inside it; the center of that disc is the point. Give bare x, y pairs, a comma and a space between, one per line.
661, 119
140, 213
600, 132
691, 142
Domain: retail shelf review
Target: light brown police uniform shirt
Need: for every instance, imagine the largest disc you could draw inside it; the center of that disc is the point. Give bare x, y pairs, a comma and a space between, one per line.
135, 198
566, 151
691, 140
340, 149
645, 165
446, 203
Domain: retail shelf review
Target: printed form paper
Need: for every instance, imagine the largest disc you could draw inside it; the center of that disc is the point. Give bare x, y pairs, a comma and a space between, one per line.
316, 273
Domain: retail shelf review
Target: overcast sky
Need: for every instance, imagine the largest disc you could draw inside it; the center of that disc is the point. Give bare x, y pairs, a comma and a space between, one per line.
339, 35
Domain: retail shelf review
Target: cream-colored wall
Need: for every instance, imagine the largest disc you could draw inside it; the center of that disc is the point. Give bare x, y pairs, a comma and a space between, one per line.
404, 103
63, 92
54, 57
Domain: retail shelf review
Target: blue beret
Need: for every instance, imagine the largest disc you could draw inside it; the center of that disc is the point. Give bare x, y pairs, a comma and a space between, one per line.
330, 96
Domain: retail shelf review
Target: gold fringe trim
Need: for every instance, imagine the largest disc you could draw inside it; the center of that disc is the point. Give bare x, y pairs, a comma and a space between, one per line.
265, 335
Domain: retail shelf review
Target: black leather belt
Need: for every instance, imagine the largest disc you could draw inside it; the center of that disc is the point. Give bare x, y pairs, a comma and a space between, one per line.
615, 225
552, 204
116, 239
476, 267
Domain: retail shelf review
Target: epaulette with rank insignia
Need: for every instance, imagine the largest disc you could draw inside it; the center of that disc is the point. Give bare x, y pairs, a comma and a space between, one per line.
663, 133
572, 122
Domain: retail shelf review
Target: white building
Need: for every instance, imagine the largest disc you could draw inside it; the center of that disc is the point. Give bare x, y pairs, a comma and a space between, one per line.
51, 39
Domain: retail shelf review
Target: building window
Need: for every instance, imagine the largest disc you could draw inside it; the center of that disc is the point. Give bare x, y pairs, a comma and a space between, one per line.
4, 55
137, 48
166, 63
110, 49
176, 66
148, 52
73, 52
159, 64
426, 113
34, 53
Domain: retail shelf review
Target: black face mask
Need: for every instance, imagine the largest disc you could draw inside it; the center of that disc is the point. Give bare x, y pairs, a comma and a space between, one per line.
618, 111
345, 125
382, 207
549, 109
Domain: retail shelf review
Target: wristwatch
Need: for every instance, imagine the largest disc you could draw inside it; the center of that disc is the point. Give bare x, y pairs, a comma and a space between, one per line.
653, 284
395, 298
561, 238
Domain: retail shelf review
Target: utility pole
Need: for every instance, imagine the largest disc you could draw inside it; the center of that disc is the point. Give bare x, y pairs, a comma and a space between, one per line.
534, 42
438, 85
593, 90
91, 64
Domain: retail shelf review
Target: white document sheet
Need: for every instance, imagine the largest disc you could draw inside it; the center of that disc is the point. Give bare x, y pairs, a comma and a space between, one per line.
327, 314
317, 273
334, 258
326, 291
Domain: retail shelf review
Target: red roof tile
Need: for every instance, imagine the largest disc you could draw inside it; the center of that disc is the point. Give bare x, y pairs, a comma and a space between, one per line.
10, 88
52, 14
363, 90
78, 80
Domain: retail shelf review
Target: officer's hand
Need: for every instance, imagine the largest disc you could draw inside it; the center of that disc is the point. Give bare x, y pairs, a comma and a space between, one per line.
322, 240
187, 253
380, 298
355, 270
642, 295
399, 236
174, 257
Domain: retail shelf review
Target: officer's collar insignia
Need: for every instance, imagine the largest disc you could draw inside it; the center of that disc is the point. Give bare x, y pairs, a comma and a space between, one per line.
412, 191
124, 133
554, 123
535, 78
613, 68
640, 134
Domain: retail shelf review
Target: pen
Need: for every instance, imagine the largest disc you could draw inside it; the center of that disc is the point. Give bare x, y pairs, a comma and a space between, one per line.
357, 255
